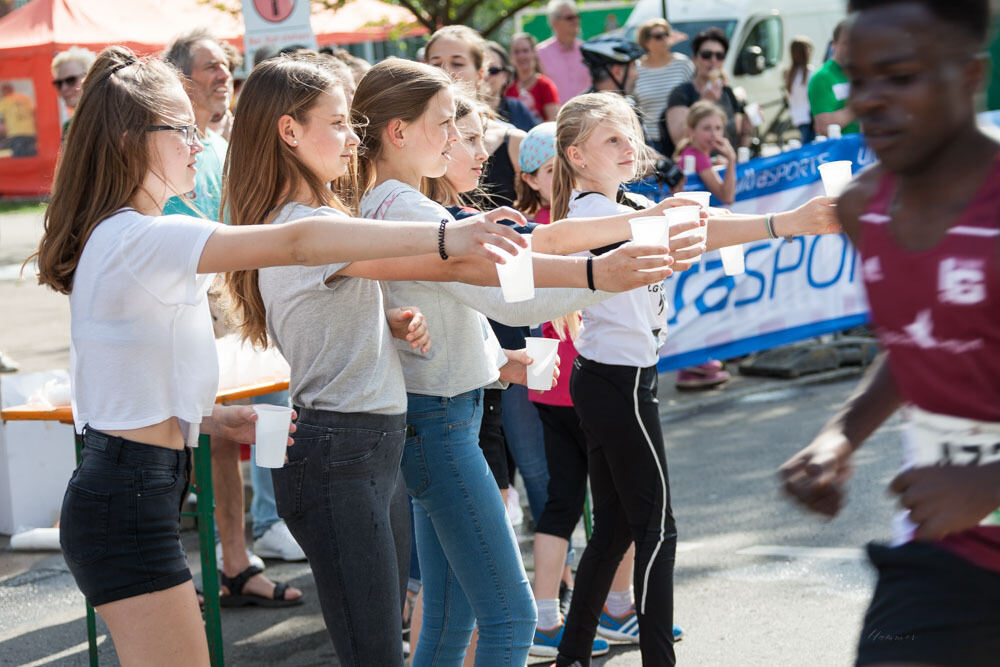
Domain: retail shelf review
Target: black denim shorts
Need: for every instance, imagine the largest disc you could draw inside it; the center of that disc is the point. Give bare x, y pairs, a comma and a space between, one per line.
120, 523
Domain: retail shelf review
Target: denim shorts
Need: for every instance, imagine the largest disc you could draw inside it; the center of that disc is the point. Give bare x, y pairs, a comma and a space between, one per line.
120, 521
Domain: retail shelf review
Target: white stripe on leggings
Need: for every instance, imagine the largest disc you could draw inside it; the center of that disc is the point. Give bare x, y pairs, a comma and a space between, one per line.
663, 484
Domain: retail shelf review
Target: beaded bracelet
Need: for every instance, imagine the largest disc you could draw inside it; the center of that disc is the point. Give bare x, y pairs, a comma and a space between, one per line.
444, 255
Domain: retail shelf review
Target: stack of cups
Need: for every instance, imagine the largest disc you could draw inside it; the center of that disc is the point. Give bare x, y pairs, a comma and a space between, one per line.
836, 175
543, 352
271, 434
517, 276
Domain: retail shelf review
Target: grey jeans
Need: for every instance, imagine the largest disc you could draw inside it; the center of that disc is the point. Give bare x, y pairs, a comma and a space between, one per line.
342, 496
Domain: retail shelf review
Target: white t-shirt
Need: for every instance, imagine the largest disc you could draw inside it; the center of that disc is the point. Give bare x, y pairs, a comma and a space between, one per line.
629, 328
141, 345
798, 99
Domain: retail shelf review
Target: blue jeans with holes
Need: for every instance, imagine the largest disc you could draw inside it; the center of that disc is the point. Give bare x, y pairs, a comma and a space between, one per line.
470, 564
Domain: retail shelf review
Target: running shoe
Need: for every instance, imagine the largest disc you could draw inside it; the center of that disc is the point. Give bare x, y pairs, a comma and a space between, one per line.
546, 643
626, 628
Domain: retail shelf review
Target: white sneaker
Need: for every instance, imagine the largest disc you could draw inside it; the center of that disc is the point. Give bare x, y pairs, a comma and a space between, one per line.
277, 542
255, 560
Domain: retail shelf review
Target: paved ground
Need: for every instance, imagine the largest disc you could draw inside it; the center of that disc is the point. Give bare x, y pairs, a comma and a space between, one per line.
757, 583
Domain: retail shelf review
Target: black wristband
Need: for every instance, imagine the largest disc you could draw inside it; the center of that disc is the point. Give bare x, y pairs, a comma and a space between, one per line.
590, 274
444, 255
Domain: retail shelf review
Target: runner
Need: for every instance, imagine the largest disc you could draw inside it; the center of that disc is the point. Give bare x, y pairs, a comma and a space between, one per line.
925, 220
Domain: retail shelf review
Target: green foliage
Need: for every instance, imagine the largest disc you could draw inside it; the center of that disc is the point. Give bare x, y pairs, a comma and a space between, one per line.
486, 16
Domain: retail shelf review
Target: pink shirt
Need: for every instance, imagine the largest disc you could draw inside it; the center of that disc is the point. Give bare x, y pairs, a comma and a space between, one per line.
565, 67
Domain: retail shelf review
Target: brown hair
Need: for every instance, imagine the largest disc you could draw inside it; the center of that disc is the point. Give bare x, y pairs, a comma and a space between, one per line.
392, 89
463, 33
642, 36
262, 171
801, 50
440, 189
534, 44
698, 112
105, 155
576, 121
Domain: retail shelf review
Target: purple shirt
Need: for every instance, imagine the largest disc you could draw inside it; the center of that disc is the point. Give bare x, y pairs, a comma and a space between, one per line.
565, 67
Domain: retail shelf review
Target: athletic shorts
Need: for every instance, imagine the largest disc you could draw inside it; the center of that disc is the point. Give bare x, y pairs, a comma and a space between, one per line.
931, 607
120, 523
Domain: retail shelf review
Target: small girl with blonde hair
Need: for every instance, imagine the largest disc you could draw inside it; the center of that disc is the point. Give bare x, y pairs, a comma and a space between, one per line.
706, 122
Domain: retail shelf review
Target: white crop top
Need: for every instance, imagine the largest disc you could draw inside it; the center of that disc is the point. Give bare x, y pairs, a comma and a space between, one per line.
141, 344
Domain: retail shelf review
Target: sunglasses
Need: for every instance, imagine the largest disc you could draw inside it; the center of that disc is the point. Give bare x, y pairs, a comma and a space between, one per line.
570, 17
708, 55
190, 132
70, 81
659, 35
493, 71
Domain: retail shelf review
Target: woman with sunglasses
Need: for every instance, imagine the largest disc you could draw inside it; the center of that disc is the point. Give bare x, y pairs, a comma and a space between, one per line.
497, 78
657, 74
537, 91
709, 47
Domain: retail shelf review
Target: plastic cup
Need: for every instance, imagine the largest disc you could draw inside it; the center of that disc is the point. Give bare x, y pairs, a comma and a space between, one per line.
833, 131
517, 276
544, 351
272, 434
701, 197
733, 261
743, 154
836, 175
648, 230
678, 215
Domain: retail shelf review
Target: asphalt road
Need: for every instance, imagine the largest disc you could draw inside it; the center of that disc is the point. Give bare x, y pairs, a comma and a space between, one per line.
757, 581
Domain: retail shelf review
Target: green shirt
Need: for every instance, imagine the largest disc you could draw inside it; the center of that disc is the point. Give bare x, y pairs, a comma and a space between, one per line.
208, 182
828, 91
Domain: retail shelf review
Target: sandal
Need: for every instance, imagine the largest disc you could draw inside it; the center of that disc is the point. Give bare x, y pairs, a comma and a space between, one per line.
236, 597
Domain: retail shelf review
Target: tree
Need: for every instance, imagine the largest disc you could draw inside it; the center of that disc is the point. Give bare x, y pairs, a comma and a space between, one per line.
491, 14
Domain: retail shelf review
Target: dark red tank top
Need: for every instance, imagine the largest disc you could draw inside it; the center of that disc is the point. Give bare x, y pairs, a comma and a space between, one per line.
937, 313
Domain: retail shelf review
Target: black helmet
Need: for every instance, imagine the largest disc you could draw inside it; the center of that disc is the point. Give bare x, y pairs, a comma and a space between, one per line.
600, 53
603, 51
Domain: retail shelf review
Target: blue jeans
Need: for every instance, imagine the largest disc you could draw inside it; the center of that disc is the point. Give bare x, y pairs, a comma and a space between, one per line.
262, 507
469, 560
526, 442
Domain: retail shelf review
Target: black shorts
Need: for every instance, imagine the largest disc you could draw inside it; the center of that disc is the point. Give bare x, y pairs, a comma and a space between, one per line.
120, 523
931, 607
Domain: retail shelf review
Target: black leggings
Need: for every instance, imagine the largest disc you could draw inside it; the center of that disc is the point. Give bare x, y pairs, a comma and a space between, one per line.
631, 493
566, 454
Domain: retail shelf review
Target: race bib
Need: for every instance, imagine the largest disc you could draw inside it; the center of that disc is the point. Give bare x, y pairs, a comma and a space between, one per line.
841, 91
931, 439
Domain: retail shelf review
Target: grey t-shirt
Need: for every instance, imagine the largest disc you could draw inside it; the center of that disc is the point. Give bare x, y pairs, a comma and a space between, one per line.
333, 334
465, 353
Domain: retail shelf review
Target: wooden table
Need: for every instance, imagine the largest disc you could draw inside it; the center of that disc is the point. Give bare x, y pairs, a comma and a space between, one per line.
204, 512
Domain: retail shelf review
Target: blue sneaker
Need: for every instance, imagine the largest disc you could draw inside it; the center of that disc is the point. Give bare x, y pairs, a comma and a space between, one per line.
626, 628
546, 643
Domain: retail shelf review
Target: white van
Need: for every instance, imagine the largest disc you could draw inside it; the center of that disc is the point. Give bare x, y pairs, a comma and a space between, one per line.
759, 33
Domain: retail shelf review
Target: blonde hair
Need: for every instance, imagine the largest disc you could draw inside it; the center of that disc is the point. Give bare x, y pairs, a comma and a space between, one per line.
74, 54
534, 47
392, 89
698, 112
642, 35
105, 155
577, 120
263, 172
440, 189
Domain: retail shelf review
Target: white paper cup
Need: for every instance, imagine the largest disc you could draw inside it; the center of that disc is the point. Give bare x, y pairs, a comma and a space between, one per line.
272, 434
733, 261
743, 154
648, 230
836, 175
544, 351
699, 196
678, 215
517, 276
833, 131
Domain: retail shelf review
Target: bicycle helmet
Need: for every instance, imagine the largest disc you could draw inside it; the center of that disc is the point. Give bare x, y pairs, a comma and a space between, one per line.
600, 53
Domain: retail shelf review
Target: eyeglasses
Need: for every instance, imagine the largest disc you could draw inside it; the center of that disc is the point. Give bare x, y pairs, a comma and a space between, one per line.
190, 132
708, 55
70, 81
569, 17
493, 71
659, 35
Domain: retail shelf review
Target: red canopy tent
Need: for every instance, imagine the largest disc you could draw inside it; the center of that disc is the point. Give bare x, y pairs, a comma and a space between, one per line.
32, 35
